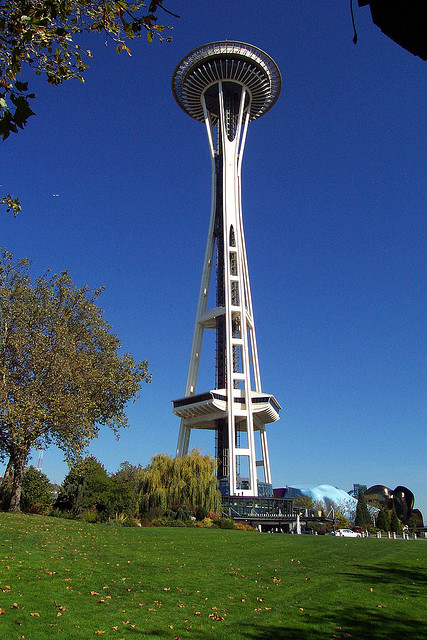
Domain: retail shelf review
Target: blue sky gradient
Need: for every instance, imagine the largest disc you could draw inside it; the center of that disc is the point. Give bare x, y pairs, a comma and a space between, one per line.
334, 204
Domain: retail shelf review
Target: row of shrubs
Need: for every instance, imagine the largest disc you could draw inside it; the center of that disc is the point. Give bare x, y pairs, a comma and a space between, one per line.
214, 522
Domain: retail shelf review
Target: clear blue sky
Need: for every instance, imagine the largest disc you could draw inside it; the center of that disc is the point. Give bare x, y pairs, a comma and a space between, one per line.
334, 196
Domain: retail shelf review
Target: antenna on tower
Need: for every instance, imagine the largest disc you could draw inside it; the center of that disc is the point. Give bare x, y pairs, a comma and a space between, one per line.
40, 461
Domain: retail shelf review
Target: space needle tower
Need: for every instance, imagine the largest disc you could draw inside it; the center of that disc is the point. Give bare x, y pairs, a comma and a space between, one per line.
226, 85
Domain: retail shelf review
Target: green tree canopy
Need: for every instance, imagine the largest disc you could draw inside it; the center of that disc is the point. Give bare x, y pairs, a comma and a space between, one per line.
342, 521
42, 37
86, 485
383, 519
395, 524
125, 489
363, 517
62, 375
36, 489
89, 486
304, 501
188, 481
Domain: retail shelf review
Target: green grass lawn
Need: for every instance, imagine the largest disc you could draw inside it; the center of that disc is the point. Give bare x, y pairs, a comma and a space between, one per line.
65, 579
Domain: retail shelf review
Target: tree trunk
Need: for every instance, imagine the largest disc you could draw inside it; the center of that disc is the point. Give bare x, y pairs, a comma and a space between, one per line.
19, 461
5, 485
8, 475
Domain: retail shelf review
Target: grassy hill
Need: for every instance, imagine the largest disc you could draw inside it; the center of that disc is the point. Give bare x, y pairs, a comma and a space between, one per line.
66, 579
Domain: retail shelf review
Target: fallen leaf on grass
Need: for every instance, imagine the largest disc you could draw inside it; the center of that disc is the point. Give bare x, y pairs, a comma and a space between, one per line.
215, 616
99, 633
35, 615
15, 606
2, 611
94, 593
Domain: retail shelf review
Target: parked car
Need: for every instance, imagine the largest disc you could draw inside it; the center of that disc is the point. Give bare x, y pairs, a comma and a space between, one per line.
347, 533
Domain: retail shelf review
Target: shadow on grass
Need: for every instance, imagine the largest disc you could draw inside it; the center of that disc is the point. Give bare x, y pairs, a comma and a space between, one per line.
360, 622
391, 574
357, 623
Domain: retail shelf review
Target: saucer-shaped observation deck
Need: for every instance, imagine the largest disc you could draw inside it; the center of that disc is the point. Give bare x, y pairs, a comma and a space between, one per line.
232, 63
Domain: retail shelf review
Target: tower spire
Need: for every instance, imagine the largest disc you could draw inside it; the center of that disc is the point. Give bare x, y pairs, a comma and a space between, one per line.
226, 85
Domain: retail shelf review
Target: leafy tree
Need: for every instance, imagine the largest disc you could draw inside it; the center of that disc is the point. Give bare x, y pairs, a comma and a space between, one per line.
86, 486
341, 521
12, 204
125, 489
383, 519
304, 501
36, 490
414, 522
363, 516
171, 483
61, 374
42, 36
395, 524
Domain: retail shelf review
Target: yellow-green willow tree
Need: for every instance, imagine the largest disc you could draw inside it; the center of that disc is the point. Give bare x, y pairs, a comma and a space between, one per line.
62, 375
187, 481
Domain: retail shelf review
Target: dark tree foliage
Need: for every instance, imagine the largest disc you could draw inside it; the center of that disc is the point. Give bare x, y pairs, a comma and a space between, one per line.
395, 524
125, 489
36, 491
363, 516
62, 375
88, 486
43, 36
383, 519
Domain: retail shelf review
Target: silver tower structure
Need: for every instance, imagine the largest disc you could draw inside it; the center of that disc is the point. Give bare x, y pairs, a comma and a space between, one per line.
226, 85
